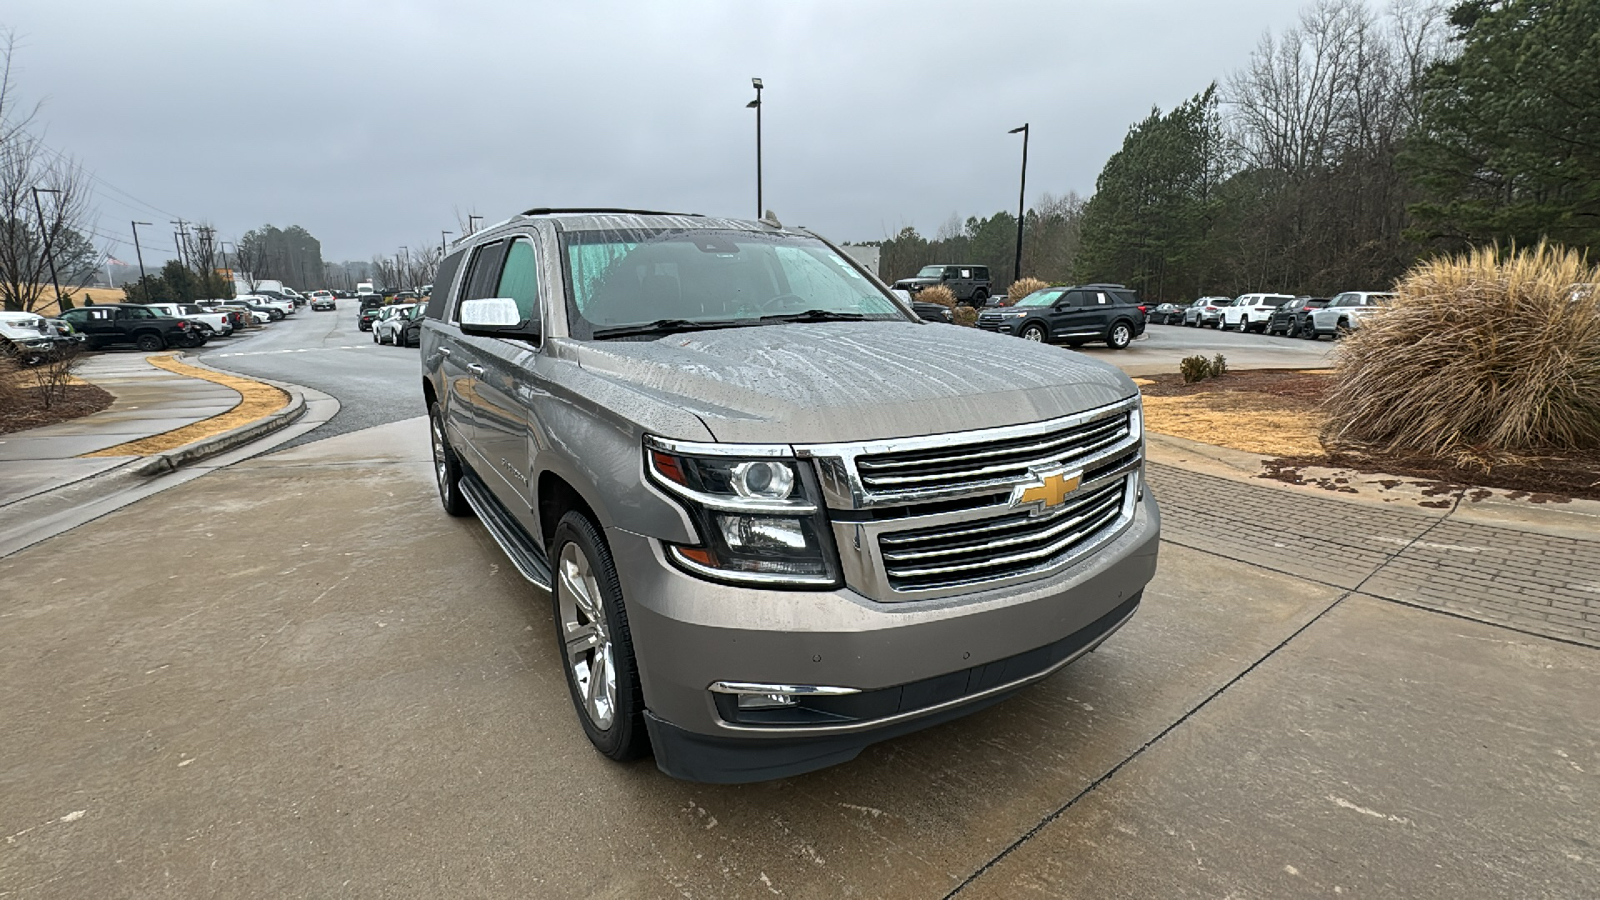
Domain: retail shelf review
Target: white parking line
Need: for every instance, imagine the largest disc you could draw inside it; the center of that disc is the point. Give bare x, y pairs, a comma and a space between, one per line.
290, 350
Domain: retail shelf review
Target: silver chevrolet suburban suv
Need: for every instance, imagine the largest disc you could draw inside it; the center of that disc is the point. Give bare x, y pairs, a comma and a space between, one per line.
780, 518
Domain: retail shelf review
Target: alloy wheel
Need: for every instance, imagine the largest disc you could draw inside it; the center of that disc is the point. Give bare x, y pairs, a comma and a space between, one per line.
585, 635
441, 462
1032, 333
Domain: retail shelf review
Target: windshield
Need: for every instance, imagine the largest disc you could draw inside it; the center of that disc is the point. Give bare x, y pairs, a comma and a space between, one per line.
1041, 298
632, 278
930, 272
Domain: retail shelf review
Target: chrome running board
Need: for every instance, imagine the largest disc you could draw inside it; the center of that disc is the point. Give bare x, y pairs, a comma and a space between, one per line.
511, 537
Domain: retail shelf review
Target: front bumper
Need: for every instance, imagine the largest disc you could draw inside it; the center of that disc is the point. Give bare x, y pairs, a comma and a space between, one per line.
913, 663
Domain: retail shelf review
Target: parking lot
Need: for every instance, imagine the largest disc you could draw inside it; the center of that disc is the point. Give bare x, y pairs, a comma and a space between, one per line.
297, 677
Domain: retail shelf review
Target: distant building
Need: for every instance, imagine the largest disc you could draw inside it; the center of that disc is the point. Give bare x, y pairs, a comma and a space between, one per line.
867, 256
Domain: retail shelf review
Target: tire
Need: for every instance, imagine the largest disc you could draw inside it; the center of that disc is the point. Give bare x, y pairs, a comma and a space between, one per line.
1120, 335
592, 635
375, 336
1294, 329
275, 315
1342, 330
446, 468
150, 342
1034, 333
979, 297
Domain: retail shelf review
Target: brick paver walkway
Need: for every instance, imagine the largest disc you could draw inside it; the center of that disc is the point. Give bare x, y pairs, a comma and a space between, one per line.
1523, 580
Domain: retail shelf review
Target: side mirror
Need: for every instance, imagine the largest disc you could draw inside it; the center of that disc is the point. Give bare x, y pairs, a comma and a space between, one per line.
494, 316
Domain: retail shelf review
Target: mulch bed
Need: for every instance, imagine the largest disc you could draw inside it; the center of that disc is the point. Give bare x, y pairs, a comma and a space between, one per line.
1550, 479
1309, 387
26, 412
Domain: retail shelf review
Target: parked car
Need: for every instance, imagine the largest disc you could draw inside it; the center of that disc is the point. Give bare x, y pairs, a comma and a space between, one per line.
30, 339
926, 311
219, 322
1250, 312
1211, 313
277, 298
1071, 315
969, 283
282, 306
1194, 313
245, 315
411, 334
779, 518
131, 323
1290, 317
1344, 313
370, 305
323, 300
389, 323
1167, 314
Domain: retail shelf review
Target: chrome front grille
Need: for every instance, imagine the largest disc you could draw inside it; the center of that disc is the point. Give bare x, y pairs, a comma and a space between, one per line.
1002, 546
978, 465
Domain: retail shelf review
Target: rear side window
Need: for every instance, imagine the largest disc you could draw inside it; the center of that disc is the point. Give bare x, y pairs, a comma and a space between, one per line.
443, 280
981, 273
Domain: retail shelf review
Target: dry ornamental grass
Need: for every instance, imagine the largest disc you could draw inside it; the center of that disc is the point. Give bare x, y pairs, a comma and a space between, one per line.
1022, 287
939, 294
1479, 359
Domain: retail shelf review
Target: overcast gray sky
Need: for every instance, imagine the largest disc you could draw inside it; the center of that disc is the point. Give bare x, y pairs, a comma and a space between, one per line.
370, 123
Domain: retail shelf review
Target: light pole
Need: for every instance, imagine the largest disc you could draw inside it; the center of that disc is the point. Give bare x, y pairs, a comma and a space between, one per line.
404, 259
45, 236
1022, 194
756, 105
442, 234
181, 239
472, 227
137, 252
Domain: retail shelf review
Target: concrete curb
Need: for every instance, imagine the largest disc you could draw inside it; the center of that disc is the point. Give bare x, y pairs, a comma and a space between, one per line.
171, 460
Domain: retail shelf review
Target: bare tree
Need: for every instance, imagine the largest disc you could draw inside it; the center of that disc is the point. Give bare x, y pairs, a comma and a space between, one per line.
44, 198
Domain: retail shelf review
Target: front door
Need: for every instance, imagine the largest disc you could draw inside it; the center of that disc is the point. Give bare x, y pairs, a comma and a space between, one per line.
508, 386
462, 368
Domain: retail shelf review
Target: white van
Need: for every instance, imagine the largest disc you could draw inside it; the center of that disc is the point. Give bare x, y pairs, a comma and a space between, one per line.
365, 287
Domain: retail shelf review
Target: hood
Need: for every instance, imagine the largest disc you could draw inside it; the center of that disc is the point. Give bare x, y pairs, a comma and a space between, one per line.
854, 381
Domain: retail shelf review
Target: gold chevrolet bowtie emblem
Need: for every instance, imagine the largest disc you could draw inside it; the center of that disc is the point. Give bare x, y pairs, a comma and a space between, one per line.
1048, 490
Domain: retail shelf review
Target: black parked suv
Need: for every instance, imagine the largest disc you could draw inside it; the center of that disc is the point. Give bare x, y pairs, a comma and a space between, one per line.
1071, 315
370, 304
1292, 319
129, 323
970, 284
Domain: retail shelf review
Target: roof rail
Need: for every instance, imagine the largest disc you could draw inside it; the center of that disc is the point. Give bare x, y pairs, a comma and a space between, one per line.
545, 211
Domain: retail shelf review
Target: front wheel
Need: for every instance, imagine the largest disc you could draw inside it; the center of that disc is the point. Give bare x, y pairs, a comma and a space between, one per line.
1120, 336
596, 645
1294, 330
275, 315
150, 343
1033, 333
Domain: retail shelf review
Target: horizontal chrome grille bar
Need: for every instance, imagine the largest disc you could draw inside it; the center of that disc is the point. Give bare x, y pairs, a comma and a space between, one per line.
870, 465
1027, 531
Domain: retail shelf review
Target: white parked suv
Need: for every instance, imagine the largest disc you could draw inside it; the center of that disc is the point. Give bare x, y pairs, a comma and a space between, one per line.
1344, 313
1252, 311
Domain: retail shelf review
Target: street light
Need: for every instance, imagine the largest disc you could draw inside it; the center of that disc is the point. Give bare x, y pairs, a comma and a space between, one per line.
472, 227
45, 236
137, 252
1022, 194
756, 105
405, 267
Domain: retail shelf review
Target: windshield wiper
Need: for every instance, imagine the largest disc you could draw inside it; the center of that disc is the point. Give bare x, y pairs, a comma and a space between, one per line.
667, 326
816, 315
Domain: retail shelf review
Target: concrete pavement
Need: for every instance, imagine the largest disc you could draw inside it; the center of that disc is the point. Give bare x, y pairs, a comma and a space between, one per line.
297, 676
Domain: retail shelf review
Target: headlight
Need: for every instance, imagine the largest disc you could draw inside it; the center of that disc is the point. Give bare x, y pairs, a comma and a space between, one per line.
755, 511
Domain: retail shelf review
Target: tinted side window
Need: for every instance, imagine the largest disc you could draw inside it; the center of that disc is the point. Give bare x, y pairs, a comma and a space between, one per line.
519, 279
443, 281
981, 272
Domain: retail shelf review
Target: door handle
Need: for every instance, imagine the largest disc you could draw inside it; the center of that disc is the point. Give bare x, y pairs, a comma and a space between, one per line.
444, 351
474, 368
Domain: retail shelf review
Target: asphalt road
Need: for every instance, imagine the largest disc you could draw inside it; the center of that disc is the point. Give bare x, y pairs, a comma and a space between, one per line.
374, 384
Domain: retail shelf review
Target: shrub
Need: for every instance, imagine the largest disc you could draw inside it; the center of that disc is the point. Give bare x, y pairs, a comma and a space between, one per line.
1195, 368
938, 294
1219, 366
965, 315
51, 377
1477, 358
1022, 287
